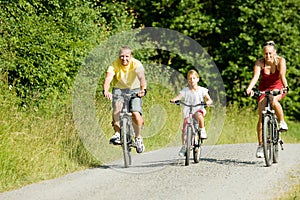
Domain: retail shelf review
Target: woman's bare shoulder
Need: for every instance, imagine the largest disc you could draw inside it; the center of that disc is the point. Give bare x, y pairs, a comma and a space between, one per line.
259, 62
281, 59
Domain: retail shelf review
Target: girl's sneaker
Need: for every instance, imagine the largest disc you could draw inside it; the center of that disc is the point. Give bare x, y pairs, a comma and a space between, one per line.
182, 151
140, 145
259, 152
203, 134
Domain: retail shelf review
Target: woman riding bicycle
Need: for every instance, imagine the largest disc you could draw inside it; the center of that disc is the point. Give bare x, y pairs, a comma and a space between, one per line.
193, 94
271, 70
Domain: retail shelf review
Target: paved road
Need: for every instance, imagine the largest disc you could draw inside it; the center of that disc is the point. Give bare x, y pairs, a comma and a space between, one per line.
225, 172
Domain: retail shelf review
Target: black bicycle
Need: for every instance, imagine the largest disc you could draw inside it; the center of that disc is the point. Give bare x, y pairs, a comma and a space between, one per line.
270, 130
193, 139
126, 128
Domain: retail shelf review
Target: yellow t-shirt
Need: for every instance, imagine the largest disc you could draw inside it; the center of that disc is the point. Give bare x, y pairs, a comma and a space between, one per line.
125, 77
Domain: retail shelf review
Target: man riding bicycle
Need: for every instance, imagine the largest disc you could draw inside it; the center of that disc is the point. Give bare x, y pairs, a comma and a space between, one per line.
127, 76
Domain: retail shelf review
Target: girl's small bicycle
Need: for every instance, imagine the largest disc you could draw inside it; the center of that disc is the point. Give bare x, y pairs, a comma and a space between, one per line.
270, 130
193, 140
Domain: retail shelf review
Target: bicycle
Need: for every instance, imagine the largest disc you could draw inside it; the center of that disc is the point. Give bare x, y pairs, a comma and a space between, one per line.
270, 131
126, 128
193, 139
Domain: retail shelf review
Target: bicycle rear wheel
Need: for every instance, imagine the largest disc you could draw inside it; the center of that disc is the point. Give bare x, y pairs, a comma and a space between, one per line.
275, 153
125, 145
267, 136
188, 144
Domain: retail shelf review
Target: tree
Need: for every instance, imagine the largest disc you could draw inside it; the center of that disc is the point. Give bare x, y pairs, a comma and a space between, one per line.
233, 32
43, 43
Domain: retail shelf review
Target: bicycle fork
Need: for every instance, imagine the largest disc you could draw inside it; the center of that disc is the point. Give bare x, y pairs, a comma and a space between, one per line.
276, 132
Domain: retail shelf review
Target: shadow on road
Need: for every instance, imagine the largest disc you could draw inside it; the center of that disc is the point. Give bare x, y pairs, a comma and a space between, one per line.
145, 164
230, 162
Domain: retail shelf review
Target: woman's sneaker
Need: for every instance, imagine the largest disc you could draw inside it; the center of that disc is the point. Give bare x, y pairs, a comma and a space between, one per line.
115, 139
140, 147
259, 152
283, 126
182, 151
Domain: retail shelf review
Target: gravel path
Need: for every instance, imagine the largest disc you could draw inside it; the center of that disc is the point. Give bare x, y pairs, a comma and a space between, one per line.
225, 172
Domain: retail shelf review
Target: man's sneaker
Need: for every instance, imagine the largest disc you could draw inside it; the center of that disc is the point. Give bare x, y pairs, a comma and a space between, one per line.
115, 139
140, 147
283, 126
182, 151
203, 134
259, 152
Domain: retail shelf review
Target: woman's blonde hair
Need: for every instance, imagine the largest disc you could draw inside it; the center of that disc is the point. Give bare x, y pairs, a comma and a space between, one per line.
270, 43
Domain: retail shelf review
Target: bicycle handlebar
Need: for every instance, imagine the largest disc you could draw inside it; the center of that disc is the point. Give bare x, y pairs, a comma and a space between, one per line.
275, 92
131, 95
178, 102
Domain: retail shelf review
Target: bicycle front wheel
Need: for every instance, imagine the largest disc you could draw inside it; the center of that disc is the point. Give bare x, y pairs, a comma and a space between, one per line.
188, 144
125, 145
197, 148
267, 136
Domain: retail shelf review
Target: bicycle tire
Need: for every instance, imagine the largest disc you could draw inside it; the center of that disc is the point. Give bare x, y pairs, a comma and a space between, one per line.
126, 153
197, 151
129, 142
275, 153
267, 135
275, 144
188, 145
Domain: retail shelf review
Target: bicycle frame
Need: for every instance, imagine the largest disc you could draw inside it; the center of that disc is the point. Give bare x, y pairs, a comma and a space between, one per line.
270, 131
126, 129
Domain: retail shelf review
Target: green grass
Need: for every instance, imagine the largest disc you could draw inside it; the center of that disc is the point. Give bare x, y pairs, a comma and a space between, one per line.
40, 144
240, 127
292, 194
35, 145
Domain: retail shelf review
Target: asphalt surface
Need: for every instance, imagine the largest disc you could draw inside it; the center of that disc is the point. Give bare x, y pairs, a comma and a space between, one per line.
224, 172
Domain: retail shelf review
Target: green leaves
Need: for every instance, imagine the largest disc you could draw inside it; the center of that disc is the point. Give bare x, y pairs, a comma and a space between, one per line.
232, 32
43, 43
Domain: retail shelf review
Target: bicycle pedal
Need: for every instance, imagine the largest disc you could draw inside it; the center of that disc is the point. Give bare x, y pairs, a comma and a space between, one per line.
133, 144
115, 142
281, 144
282, 130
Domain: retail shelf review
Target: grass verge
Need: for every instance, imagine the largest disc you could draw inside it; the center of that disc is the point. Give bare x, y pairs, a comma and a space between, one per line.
38, 144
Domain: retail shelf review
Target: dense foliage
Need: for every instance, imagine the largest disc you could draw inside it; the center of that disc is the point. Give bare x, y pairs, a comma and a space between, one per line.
233, 32
43, 43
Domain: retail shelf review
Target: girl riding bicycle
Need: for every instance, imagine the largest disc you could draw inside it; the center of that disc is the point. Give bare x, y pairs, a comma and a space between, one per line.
193, 94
